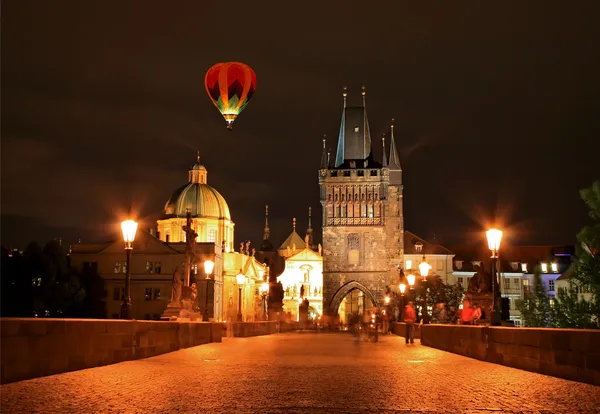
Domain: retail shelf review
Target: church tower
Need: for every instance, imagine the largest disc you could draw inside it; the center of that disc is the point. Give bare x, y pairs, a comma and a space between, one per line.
363, 220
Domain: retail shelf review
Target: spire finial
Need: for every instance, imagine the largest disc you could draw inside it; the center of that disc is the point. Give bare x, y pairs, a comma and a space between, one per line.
324, 140
345, 93
294, 224
393, 120
364, 93
310, 218
324, 160
198, 157
383, 157
267, 231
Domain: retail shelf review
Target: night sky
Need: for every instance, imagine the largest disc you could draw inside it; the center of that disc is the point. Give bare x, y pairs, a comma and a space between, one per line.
103, 105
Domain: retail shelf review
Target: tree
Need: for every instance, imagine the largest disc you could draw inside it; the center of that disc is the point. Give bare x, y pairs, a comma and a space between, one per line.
578, 306
535, 307
571, 311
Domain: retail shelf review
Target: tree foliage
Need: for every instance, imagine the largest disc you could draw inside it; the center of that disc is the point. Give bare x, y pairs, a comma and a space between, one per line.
39, 282
535, 307
578, 306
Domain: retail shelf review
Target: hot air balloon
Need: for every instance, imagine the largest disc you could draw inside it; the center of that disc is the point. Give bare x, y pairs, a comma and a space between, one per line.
230, 86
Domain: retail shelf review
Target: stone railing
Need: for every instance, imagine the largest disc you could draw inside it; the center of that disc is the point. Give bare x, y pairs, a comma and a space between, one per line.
399, 328
247, 329
573, 354
38, 347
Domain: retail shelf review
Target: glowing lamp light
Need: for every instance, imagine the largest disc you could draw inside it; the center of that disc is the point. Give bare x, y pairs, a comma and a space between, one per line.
424, 267
387, 300
240, 278
411, 279
208, 267
402, 288
264, 288
129, 228
261, 273
494, 236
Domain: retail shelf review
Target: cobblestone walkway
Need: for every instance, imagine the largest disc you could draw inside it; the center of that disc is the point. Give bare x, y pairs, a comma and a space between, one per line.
301, 373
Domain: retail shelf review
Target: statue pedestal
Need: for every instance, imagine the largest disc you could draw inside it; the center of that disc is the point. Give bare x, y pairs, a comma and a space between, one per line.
485, 301
172, 312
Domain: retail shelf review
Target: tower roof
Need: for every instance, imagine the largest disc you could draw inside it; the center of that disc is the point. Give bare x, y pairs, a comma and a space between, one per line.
293, 239
354, 141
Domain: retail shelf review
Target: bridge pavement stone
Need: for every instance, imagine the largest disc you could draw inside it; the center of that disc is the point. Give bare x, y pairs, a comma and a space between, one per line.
301, 373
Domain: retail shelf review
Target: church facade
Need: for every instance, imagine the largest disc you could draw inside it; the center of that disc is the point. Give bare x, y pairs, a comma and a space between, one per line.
363, 220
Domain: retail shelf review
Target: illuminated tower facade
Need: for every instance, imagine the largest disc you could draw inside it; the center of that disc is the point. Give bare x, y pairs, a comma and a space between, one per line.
363, 220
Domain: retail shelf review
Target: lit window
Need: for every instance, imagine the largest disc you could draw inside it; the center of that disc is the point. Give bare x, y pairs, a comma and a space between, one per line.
149, 267
525, 282
514, 265
458, 264
148, 294
157, 294
551, 303
408, 264
524, 267
516, 283
545, 267
356, 129
118, 267
506, 283
157, 267
419, 247
212, 236
555, 267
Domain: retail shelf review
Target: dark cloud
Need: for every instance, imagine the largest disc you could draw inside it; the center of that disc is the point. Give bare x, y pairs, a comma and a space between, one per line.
103, 105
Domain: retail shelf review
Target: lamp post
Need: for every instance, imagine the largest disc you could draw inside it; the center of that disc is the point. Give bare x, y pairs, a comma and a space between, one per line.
240, 281
410, 278
129, 228
494, 236
209, 265
402, 288
264, 291
424, 270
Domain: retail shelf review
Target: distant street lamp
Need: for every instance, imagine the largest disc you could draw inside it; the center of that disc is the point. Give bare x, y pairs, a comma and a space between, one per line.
264, 291
424, 270
240, 281
494, 236
129, 228
402, 288
410, 278
209, 265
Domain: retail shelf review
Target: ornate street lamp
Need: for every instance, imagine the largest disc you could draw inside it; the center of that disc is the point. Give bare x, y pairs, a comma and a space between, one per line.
129, 228
402, 287
240, 278
209, 265
424, 270
494, 236
264, 291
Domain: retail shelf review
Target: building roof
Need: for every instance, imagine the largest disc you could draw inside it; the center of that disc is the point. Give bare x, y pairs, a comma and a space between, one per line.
200, 198
412, 241
293, 239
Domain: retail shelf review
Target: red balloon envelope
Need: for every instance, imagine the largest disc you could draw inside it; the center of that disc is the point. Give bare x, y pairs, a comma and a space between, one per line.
230, 86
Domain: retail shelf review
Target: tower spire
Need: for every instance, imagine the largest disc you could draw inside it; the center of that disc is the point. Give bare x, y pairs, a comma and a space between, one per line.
384, 156
198, 157
364, 93
345, 93
309, 230
267, 232
394, 160
294, 224
324, 156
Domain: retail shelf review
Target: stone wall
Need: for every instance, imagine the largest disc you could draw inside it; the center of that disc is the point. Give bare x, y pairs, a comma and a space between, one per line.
245, 329
572, 354
38, 347
399, 328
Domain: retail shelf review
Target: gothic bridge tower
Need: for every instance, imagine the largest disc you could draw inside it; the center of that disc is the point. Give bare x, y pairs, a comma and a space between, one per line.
363, 220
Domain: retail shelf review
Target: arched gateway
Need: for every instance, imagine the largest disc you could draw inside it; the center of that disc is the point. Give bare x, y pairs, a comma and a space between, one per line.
345, 290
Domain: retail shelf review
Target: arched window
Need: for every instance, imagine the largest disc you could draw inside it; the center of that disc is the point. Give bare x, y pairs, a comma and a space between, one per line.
353, 248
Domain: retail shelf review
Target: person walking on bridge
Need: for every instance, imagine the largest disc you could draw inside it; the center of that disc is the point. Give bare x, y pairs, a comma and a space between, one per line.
410, 317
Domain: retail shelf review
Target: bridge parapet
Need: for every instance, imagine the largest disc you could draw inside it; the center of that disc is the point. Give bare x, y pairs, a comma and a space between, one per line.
572, 354
34, 347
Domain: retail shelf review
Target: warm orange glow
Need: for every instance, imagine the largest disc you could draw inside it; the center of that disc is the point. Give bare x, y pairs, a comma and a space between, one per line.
240, 278
402, 288
411, 279
494, 236
208, 267
129, 228
424, 267
264, 288
387, 300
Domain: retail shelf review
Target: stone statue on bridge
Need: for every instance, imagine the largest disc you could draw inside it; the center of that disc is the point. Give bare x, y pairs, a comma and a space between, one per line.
176, 291
479, 283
